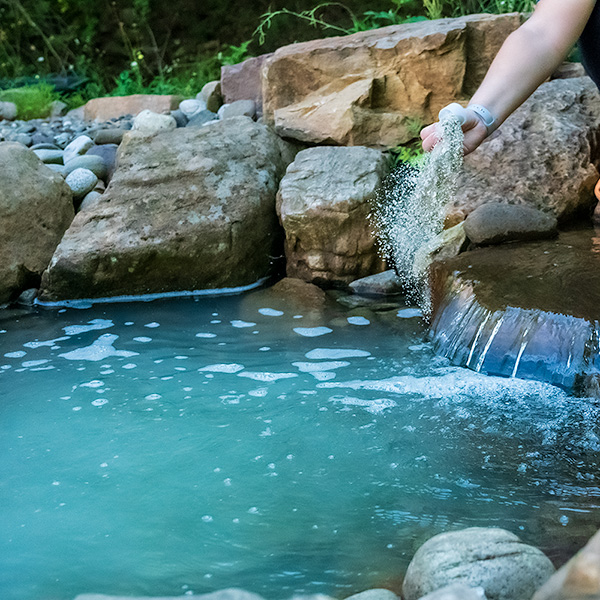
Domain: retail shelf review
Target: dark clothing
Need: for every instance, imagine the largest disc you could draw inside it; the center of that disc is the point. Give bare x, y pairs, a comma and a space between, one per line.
589, 45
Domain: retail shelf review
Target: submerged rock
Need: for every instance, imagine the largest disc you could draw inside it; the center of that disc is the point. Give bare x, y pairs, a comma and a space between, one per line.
386, 283
188, 209
456, 591
227, 594
493, 559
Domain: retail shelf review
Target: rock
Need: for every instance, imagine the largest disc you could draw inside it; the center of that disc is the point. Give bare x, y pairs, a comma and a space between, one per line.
323, 206
81, 181
105, 109
108, 154
40, 138
8, 111
447, 244
579, 579
211, 96
76, 114
90, 200
491, 558
27, 297
374, 594
21, 138
57, 109
456, 591
91, 162
202, 118
180, 118
45, 146
495, 223
114, 135
386, 283
150, 123
542, 156
79, 146
60, 169
190, 107
244, 81
227, 594
50, 157
188, 209
239, 108
378, 87
567, 70
36, 208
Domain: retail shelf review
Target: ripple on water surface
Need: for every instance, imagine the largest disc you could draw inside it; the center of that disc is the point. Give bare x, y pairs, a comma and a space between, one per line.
205, 455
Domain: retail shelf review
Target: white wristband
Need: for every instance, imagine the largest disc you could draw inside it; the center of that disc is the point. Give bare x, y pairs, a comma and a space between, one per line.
487, 118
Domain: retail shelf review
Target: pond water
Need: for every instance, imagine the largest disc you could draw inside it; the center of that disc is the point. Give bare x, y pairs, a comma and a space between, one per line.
180, 446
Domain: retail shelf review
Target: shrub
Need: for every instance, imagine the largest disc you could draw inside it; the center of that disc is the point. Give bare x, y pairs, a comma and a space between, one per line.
33, 101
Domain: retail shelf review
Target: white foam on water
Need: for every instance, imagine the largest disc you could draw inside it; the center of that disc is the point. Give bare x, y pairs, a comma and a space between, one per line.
152, 325
241, 324
258, 393
323, 375
142, 339
17, 354
358, 321
270, 312
101, 349
311, 367
37, 344
34, 363
312, 331
265, 376
129, 366
223, 368
335, 353
264, 349
153, 397
206, 335
375, 407
95, 383
93, 325
99, 402
409, 313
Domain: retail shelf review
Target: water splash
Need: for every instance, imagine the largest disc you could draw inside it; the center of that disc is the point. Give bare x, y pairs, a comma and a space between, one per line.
408, 209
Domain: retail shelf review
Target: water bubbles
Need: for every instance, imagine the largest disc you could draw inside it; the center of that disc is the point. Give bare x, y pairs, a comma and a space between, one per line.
92, 325
142, 339
153, 397
270, 312
336, 353
564, 520
241, 324
152, 325
95, 383
358, 321
312, 331
206, 335
17, 354
129, 366
264, 349
207, 519
99, 402
222, 368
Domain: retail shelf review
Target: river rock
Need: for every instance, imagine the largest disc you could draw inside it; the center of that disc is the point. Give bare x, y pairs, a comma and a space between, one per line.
386, 283
239, 108
579, 579
50, 157
188, 209
190, 107
378, 87
456, 591
323, 203
491, 558
374, 594
91, 162
202, 118
36, 208
496, 223
108, 154
542, 156
90, 199
227, 594
8, 111
79, 146
210, 94
113, 135
244, 81
150, 123
180, 118
105, 109
81, 181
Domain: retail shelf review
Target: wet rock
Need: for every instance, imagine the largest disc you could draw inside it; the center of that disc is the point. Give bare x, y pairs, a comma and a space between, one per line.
542, 156
211, 96
227, 594
36, 208
91, 162
496, 223
369, 88
289, 295
112, 135
386, 283
191, 107
202, 118
323, 205
447, 244
374, 594
491, 558
81, 181
239, 108
50, 157
188, 209
27, 297
8, 111
105, 109
108, 154
579, 579
149, 123
456, 591
79, 146
243, 81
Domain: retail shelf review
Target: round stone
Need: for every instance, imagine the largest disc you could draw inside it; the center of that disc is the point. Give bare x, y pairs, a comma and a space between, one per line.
81, 182
93, 163
190, 107
79, 146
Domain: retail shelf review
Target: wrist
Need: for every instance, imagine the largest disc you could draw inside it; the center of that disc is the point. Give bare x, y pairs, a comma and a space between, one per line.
485, 116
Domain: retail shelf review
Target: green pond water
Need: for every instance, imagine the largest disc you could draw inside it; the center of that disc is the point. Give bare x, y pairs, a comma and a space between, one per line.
180, 446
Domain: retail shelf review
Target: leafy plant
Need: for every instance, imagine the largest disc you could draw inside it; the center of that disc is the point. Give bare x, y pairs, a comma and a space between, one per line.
411, 154
32, 101
232, 55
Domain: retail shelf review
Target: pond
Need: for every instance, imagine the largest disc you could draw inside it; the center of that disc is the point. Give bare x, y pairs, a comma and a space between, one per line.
179, 446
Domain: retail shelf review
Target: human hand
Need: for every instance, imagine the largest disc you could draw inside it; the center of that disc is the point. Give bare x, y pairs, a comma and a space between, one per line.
474, 129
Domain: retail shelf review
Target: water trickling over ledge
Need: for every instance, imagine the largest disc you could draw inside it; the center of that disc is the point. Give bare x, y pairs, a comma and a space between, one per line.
527, 310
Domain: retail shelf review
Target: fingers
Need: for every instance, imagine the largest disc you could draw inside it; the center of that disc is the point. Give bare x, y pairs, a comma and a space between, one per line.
430, 135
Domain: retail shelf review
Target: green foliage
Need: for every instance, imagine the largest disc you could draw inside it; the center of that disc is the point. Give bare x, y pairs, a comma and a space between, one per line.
33, 101
232, 55
412, 154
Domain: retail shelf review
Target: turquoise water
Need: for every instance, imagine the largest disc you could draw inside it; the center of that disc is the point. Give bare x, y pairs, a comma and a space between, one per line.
190, 445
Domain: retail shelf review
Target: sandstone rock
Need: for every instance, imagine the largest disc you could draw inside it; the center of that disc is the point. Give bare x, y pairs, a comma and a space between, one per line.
495, 223
81, 181
188, 209
93, 163
323, 206
374, 594
376, 88
190, 107
79, 146
114, 135
494, 559
579, 579
105, 109
542, 156
239, 108
211, 96
244, 81
50, 157
456, 591
150, 123
386, 283
36, 208
8, 111
567, 70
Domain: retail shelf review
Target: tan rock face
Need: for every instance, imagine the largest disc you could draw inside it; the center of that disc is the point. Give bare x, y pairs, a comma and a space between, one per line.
36, 207
377, 88
103, 109
542, 156
188, 209
244, 81
323, 206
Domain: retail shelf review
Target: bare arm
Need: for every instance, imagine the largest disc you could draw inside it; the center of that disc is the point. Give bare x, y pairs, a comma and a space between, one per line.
527, 58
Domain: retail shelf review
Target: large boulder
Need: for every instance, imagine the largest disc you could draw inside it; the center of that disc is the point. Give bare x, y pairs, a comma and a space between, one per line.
36, 207
542, 156
377, 88
244, 81
188, 209
493, 559
323, 204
